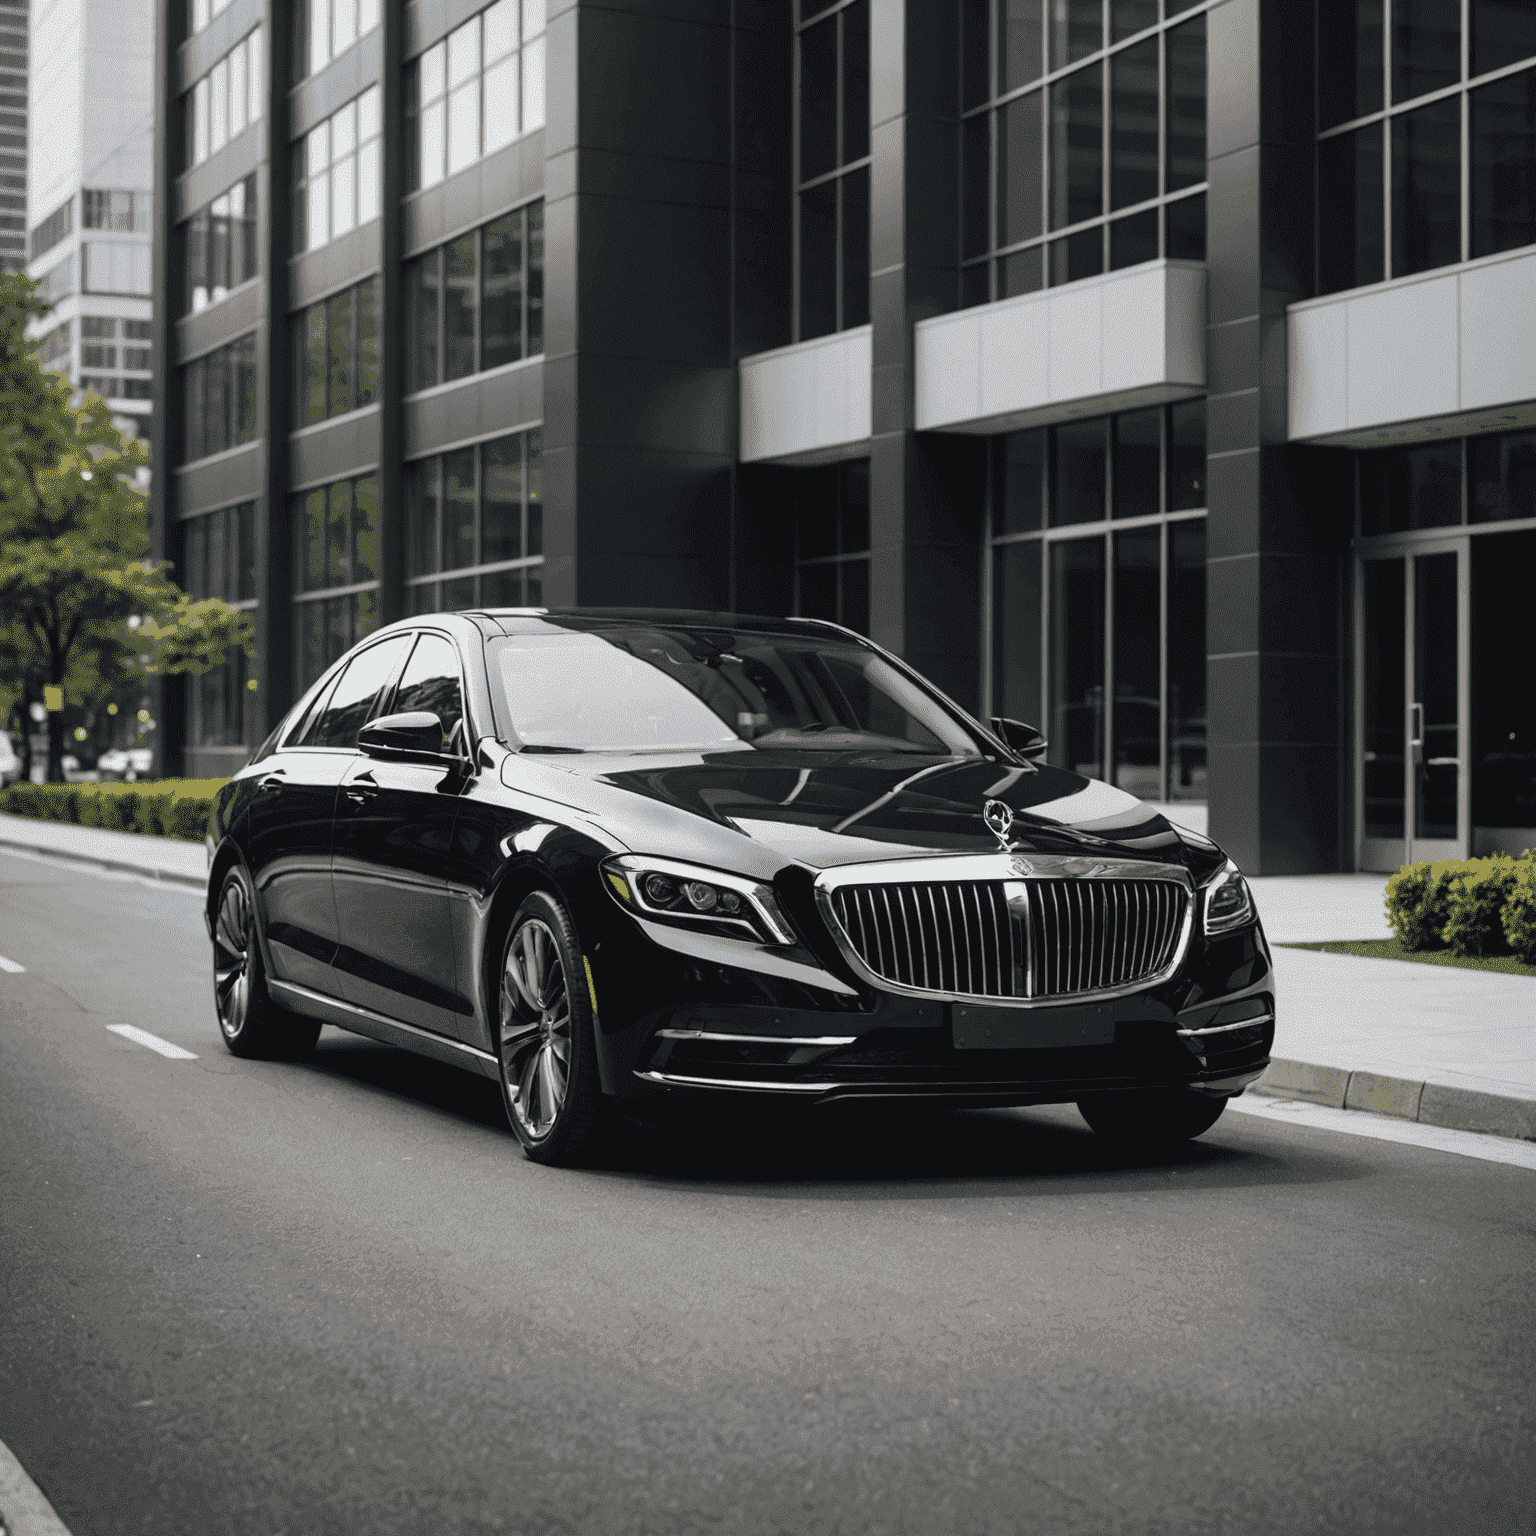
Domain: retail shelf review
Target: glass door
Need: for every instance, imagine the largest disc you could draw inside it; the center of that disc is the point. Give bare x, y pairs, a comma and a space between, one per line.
1411, 795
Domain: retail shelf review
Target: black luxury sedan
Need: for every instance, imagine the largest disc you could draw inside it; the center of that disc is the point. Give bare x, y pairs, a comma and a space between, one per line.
616, 857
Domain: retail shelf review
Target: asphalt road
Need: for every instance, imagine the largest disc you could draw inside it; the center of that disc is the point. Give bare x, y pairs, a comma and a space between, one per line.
334, 1297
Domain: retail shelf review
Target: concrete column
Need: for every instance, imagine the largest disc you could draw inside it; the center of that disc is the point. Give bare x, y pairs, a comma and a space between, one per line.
1279, 515
925, 491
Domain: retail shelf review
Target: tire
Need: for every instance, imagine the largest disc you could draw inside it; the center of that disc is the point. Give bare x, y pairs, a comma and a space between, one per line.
1151, 1116
253, 1026
545, 1042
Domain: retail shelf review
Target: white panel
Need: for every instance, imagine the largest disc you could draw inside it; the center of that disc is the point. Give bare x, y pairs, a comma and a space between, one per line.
1135, 316
1402, 350
1498, 333
1318, 344
1077, 342
803, 399
947, 368
1015, 358
1184, 322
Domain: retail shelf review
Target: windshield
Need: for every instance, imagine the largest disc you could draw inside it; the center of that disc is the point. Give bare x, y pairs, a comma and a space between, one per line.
652, 689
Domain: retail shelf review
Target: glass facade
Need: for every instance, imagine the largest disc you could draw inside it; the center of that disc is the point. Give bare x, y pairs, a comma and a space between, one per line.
336, 354
474, 523
335, 571
325, 29
218, 559
336, 174
476, 90
220, 247
1082, 140
832, 168
832, 544
1427, 139
219, 389
1097, 595
227, 100
477, 302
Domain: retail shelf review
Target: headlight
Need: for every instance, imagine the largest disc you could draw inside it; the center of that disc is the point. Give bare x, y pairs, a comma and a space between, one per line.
1228, 901
671, 892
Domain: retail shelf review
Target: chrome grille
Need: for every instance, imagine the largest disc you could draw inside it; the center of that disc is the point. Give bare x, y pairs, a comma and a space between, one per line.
1054, 939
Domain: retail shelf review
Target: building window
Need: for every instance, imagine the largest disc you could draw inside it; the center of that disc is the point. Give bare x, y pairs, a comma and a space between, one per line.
336, 174
335, 572
1444, 171
53, 348
1444, 484
220, 393
125, 212
474, 91
336, 354
54, 228
478, 302
325, 29
201, 12
58, 282
832, 544
221, 246
1097, 534
115, 267
474, 527
226, 99
1082, 141
218, 559
110, 387
832, 170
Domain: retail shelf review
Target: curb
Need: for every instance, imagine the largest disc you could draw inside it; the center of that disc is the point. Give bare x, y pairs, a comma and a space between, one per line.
1453, 1109
120, 866
24, 1507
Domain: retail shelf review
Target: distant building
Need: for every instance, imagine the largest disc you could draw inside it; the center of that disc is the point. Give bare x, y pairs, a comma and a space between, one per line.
13, 135
90, 195
1158, 372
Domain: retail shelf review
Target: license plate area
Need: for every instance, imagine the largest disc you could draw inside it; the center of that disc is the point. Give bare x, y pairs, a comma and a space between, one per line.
1030, 1029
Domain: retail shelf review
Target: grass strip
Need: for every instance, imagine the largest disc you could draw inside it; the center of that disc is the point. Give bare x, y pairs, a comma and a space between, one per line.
1392, 949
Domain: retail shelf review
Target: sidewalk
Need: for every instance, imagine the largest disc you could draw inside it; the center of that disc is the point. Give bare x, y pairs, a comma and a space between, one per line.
1448, 1047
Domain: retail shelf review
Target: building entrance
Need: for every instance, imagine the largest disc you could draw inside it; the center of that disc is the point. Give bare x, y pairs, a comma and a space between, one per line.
1412, 712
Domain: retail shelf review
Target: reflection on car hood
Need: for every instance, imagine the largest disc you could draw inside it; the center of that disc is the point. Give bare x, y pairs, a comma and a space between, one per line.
830, 808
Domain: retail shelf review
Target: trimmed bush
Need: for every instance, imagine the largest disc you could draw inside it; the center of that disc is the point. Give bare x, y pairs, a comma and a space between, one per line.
1476, 894
1418, 898
1519, 915
162, 808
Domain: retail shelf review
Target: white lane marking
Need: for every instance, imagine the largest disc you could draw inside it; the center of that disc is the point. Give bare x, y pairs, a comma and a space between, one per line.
1355, 1122
11, 966
25, 1506
154, 1042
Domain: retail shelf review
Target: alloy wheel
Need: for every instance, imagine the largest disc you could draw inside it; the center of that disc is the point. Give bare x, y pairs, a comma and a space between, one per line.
232, 959
535, 1028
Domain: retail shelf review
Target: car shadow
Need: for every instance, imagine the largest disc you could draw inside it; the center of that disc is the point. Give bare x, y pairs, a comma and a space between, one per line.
850, 1151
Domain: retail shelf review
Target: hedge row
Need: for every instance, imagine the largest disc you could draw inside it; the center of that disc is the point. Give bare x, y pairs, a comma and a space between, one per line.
158, 807
1472, 907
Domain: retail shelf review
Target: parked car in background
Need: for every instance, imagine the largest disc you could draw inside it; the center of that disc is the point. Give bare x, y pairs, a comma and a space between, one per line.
125, 763
10, 764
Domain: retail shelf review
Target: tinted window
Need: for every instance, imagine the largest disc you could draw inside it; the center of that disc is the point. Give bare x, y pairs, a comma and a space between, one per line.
354, 696
430, 682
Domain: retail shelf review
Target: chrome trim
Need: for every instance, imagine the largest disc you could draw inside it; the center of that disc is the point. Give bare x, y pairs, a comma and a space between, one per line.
320, 1005
677, 1080
1222, 1029
1025, 899
793, 965
712, 1034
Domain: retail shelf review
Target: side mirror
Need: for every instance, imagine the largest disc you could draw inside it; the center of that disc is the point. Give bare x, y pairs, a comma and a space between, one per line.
1023, 739
415, 737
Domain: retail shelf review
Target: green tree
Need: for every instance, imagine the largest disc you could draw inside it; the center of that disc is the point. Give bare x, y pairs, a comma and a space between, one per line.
74, 546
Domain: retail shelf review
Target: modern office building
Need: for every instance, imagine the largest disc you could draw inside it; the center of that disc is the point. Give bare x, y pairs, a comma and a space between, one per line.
1161, 372
13, 135
90, 196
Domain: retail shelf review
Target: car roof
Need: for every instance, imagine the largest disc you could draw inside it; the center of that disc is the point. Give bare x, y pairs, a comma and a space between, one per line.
493, 622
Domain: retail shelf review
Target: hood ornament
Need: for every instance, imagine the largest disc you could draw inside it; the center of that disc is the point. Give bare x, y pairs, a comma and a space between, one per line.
999, 820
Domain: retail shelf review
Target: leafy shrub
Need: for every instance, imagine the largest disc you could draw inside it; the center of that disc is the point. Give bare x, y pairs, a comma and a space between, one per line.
1418, 903
1475, 897
1519, 915
164, 808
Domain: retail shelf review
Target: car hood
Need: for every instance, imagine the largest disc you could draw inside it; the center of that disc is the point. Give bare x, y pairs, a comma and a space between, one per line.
752, 809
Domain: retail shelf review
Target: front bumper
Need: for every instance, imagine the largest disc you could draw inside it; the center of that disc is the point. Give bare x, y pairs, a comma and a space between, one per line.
687, 1025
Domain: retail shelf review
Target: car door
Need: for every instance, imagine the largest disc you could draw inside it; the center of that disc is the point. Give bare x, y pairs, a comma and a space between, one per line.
289, 850
393, 829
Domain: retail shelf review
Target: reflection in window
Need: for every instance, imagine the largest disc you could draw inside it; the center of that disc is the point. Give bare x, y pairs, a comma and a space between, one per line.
221, 246
325, 28
218, 559
226, 100
335, 546
474, 91
220, 393
336, 354
336, 174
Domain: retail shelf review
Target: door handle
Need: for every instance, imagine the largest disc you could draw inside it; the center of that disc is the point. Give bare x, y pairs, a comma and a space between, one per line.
271, 782
361, 794
1416, 740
